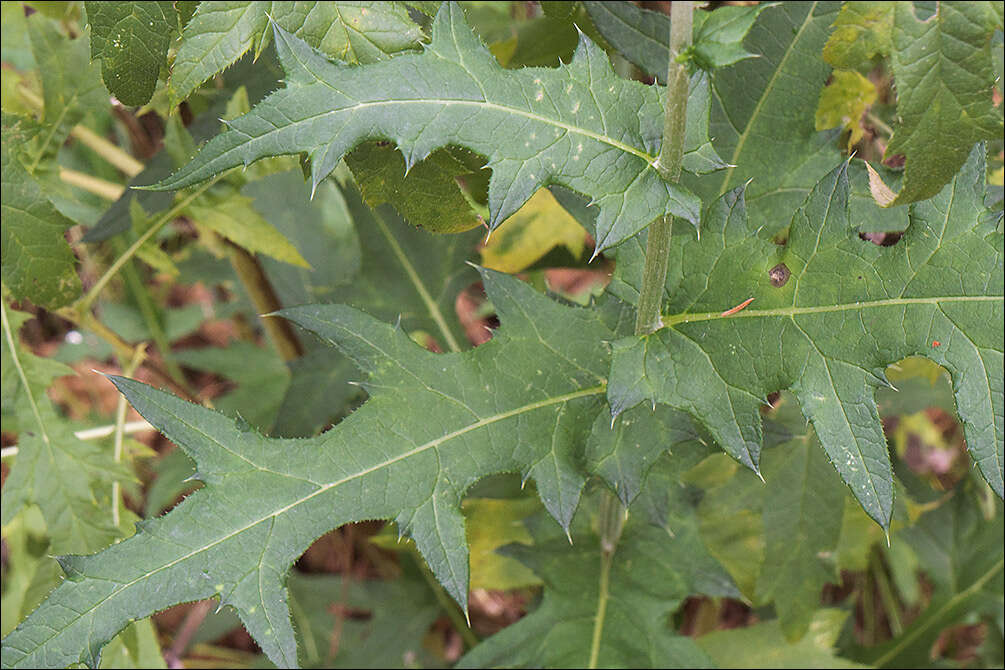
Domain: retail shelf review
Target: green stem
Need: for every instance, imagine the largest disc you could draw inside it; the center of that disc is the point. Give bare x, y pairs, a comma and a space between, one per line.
611, 522
668, 164
84, 304
264, 297
868, 610
120, 422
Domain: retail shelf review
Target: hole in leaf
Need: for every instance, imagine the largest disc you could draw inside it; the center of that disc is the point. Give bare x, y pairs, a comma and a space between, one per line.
881, 239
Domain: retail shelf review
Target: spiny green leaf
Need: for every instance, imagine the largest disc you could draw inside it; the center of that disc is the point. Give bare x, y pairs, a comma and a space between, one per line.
622, 452
719, 35
829, 313
37, 262
221, 32
565, 125
435, 423
131, 39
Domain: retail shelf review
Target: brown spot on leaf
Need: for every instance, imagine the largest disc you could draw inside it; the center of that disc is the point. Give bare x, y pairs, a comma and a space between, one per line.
779, 275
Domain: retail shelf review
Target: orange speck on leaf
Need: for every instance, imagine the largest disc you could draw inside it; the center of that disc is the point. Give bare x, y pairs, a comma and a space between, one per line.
739, 307
936, 343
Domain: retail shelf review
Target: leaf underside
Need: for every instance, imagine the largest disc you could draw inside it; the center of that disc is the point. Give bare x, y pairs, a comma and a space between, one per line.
434, 425
536, 126
830, 311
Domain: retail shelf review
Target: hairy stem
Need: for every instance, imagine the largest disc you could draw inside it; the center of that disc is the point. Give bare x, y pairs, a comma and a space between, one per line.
611, 522
668, 164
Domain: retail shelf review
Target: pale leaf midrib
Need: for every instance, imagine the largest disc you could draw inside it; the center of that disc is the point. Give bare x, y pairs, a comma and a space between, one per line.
444, 102
567, 397
684, 317
427, 300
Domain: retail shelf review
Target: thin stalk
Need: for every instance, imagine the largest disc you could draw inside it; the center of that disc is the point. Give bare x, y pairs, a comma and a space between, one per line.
879, 123
868, 610
264, 297
84, 304
103, 189
128, 428
193, 620
668, 164
120, 422
611, 522
122, 161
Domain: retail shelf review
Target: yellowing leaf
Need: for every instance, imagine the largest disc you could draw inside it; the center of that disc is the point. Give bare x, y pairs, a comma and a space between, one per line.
527, 236
493, 523
235, 218
862, 33
844, 101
